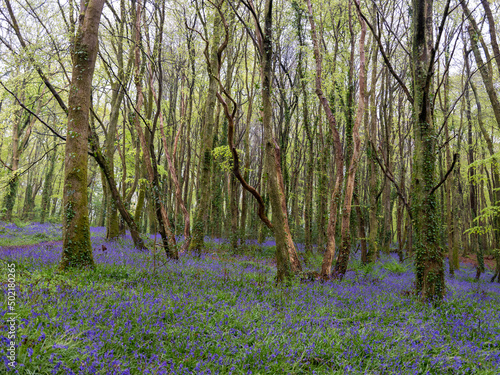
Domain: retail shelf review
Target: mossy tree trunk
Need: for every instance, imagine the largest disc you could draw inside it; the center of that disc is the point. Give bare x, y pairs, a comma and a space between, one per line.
204, 191
112, 222
429, 266
309, 173
22, 125
373, 248
168, 238
354, 152
13, 183
250, 89
48, 186
473, 195
287, 261
452, 246
326, 266
77, 250
401, 238
386, 110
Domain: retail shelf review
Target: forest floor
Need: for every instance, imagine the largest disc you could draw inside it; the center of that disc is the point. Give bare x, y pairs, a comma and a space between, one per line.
471, 260
138, 313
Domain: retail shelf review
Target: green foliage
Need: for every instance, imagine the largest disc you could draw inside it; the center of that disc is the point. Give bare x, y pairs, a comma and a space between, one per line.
486, 216
364, 269
492, 159
395, 267
21, 224
162, 171
224, 158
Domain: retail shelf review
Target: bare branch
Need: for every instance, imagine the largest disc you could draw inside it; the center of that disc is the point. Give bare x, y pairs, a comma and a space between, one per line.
384, 55
455, 158
33, 113
390, 176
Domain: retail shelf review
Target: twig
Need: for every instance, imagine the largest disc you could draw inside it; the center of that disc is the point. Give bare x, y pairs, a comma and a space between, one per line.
33, 113
390, 177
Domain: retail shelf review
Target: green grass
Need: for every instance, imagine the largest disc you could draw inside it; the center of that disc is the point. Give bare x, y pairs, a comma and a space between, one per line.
28, 240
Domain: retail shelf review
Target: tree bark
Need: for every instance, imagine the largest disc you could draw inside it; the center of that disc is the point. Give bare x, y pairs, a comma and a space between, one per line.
168, 239
429, 267
345, 245
373, 248
203, 192
339, 157
77, 250
48, 186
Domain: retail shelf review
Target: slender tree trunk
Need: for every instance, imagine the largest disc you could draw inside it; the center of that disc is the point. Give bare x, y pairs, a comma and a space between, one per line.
361, 227
474, 237
112, 223
13, 183
345, 245
452, 248
233, 211
48, 186
134, 230
386, 115
402, 184
168, 239
339, 157
287, 259
309, 174
373, 249
246, 172
485, 68
203, 192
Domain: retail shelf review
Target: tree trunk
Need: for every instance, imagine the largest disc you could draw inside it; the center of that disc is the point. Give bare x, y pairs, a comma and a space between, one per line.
287, 261
48, 186
474, 237
77, 250
373, 249
203, 192
339, 157
112, 223
168, 239
429, 267
345, 244
485, 69
452, 248
13, 183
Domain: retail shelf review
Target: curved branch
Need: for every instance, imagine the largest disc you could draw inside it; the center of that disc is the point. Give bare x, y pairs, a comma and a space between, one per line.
390, 177
236, 162
455, 158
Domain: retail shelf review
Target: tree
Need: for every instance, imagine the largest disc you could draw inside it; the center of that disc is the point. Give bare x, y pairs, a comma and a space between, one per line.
353, 154
429, 266
204, 191
77, 250
288, 262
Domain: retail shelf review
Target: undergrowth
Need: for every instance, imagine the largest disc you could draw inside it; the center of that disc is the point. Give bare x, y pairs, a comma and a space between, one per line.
223, 314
